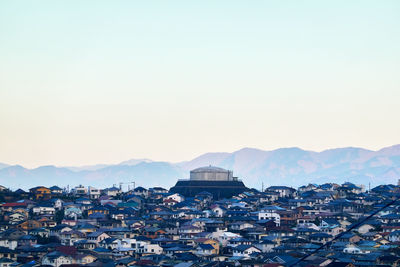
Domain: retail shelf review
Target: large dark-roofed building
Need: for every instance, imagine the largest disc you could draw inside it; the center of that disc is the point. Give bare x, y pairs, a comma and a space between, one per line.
217, 181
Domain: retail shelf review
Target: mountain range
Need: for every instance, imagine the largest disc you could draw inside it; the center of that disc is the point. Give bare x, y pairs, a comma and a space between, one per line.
284, 166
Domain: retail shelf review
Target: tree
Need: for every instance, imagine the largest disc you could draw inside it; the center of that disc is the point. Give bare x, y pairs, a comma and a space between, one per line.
317, 221
59, 216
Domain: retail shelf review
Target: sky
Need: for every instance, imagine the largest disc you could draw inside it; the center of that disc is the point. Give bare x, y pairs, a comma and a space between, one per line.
86, 82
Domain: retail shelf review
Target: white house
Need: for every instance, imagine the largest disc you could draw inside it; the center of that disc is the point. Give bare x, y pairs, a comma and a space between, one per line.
271, 212
283, 191
219, 211
56, 259
224, 237
93, 192
177, 197
352, 249
8, 243
42, 210
245, 251
153, 249
80, 190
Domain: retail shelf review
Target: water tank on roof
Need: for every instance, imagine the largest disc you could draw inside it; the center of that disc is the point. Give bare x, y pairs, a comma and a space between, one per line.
211, 173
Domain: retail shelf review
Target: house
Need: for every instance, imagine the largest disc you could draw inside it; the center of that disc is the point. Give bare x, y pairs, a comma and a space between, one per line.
283, 191
153, 232
153, 249
97, 237
158, 190
365, 228
44, 209
265, 245
8, 253
68, 238
93, 192
169, 202
328, 222
219, 211
141, 191
8, 243
176, 197
12, 234
72, 213
188, 231
55, 190
17, 217
320, 238
13, 206
308, 187
84, 259
156, 228
394, 236
352, 249
224, 237
212, 242
245, 251
57, 203
42, 232
21, 193
56, 259
80, 190
59, 229
109, 243
112, 191
271, 212
29, 225
204, 250
234, 242
27, 240
333, 230
99, 209
240, 225
6, 262
40, 192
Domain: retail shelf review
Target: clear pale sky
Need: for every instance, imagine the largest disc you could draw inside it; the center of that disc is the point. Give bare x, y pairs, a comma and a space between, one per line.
85, 82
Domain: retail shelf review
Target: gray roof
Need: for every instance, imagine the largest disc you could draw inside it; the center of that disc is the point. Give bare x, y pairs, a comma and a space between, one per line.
209, 169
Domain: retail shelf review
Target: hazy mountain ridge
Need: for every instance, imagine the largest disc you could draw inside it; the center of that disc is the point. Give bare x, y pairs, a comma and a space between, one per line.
143, 174
289, 166
2, 165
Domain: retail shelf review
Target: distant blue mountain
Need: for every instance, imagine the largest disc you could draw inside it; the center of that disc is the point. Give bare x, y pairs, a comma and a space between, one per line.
143, 174
2, 165
286, 166
295, 166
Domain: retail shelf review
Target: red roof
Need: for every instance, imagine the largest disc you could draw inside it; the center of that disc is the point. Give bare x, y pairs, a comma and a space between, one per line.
16, 204
169, 200
69, 250
145, 262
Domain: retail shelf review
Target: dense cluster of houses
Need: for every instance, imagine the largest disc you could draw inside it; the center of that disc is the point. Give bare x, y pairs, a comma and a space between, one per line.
314, 225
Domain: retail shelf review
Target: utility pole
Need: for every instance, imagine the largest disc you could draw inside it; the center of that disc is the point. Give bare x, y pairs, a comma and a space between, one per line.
262, 187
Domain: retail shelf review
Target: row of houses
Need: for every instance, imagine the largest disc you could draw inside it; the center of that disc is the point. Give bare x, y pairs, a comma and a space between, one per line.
314, 225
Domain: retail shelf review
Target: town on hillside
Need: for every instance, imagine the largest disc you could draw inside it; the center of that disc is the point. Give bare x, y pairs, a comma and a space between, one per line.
313, 225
